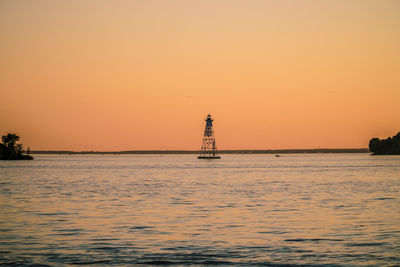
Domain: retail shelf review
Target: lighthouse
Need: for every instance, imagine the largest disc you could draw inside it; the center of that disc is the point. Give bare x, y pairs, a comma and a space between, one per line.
208, 148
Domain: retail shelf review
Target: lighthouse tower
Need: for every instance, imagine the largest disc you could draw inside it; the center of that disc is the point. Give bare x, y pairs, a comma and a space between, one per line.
208, 148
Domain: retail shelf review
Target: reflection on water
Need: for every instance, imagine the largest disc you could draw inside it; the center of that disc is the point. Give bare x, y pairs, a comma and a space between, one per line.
340, 209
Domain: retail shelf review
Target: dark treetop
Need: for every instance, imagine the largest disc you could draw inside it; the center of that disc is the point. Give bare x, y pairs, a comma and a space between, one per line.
10, 149
389, 146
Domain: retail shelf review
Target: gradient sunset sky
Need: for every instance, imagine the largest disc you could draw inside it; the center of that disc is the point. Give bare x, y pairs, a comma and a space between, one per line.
127, 75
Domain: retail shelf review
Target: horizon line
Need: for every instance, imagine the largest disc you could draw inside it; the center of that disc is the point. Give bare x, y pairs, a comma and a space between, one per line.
224, 151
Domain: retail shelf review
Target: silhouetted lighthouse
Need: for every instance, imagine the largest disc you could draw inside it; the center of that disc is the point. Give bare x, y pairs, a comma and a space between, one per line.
208, 148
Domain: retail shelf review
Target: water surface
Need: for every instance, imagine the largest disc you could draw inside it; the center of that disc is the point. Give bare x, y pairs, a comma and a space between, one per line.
309, 209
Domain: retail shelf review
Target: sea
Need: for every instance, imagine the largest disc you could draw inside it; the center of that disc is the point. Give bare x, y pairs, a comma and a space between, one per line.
243, 209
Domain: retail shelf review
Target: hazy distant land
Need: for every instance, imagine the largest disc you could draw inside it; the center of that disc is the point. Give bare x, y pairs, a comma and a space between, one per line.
277, 151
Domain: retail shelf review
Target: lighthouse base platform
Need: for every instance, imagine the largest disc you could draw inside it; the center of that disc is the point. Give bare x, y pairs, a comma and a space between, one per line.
208, 157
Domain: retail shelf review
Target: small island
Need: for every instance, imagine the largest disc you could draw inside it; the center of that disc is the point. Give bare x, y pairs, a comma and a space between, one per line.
389, 146
10, 149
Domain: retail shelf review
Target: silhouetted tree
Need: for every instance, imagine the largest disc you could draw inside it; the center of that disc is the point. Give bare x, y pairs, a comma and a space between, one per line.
374, 144
10, 139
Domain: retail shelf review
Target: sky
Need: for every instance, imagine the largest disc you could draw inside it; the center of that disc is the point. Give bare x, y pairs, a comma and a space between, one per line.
143, 75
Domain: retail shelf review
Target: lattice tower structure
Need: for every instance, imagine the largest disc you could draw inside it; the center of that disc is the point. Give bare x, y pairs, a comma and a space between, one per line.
209, 148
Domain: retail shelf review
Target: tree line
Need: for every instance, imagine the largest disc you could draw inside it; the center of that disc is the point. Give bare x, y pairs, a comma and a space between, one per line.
11, 149
389, 146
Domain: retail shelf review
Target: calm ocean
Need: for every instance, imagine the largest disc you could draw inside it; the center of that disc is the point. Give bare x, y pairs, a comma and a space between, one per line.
300, 209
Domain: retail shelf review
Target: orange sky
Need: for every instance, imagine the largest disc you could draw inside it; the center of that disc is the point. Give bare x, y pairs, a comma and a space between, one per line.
119, 75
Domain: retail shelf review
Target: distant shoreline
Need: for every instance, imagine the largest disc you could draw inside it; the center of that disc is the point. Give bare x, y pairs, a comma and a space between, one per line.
277, 151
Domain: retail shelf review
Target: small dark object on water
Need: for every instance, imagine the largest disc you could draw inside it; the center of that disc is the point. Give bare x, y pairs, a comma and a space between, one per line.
277, 155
